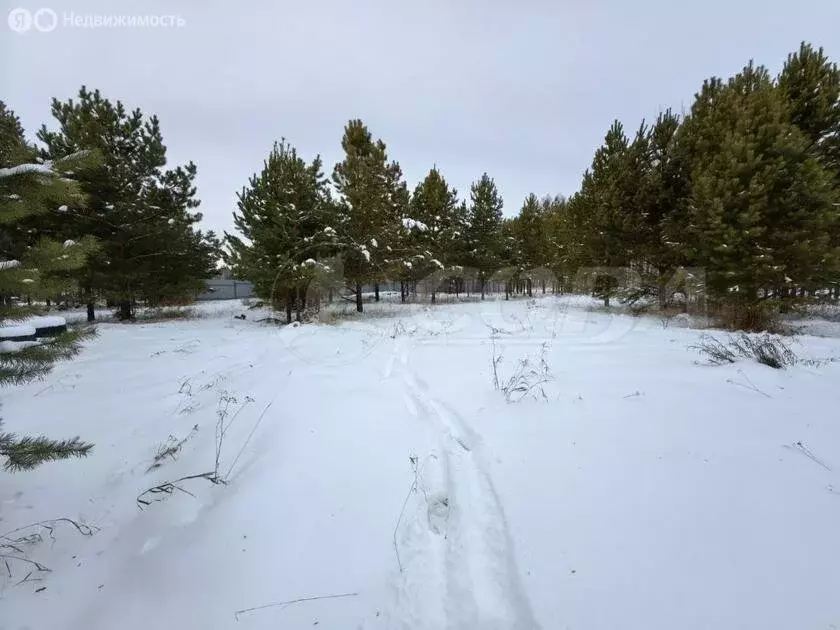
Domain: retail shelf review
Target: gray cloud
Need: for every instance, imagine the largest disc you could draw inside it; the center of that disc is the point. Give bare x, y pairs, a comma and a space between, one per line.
524, 91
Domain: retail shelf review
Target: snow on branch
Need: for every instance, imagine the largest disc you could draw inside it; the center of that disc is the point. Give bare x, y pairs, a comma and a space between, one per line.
412, 224
20, 169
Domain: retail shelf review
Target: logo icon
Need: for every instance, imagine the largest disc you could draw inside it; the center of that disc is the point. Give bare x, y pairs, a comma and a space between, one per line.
45, 20
20, 20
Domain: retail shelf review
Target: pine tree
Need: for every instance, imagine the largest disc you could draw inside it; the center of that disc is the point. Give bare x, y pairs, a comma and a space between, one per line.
560, 234
435, 205
284, 217
34, 266
810, 84
744, 187
762, 204
391, 248
533, 239
664, 202
484, 225
605, 207
365, 183
512, 257
143, 214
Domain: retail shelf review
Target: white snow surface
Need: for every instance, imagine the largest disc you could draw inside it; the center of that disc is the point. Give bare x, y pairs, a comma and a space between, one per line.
46, 321
373, 458
17, 330
9, 347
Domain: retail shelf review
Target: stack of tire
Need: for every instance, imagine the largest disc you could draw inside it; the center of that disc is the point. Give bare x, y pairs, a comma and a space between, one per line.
31, 331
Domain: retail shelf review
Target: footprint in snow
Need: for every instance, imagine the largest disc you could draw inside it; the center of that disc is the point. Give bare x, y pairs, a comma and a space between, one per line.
438, 512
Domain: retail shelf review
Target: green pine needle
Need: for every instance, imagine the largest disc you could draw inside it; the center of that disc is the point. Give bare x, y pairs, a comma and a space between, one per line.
28, 452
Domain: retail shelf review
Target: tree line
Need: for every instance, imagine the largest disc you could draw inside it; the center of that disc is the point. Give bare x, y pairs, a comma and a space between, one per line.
113, 193
742, 190
739, 197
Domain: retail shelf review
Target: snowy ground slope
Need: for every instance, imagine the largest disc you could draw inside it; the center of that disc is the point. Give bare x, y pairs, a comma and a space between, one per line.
641, 491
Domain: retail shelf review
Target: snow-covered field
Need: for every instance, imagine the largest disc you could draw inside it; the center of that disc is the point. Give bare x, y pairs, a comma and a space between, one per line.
372, 465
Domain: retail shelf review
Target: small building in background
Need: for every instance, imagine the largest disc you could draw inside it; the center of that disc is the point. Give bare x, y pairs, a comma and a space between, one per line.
224, 287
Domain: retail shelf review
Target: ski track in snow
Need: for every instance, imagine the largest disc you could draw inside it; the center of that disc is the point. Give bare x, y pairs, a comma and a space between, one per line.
458, 566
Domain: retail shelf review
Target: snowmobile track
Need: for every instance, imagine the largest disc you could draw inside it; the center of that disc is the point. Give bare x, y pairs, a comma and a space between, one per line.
459, 570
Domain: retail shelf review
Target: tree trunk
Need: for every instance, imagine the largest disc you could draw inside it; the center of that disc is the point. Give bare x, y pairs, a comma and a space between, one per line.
663, 297
297, 304
433, 296
88, 297
784, 304
288, 306
376, 292
125, 310
529, 283
359, 305
402, 292
481, 282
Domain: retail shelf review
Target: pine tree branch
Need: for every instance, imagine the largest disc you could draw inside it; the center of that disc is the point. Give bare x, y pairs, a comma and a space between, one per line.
20, 374
28, 452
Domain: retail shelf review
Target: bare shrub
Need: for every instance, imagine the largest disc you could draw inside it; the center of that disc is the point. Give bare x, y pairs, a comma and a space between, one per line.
401, 330
716, 352
528, 377
223, 424
165, 313
223, 412
761, 317
169, 449
766, 349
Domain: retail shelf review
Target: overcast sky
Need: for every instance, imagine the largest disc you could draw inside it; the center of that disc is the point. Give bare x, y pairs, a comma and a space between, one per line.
523, 90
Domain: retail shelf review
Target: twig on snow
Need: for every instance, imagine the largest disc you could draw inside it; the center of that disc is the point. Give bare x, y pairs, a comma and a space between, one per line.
38, 566
810, 455
290, 602
749, 385
170, 487
8, 542
248, 439
494, 362
27, 579
411, 489
49, 525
